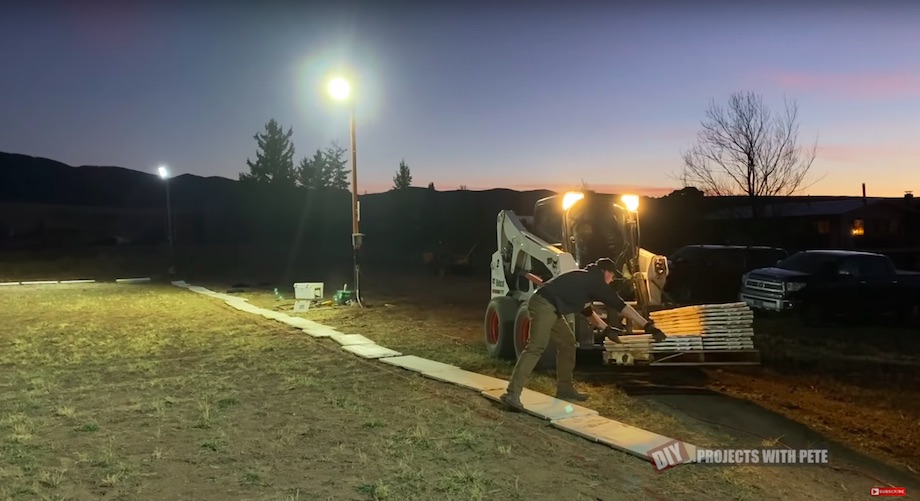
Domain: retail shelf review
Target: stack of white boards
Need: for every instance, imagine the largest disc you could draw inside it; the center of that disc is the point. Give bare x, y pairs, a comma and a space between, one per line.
727, 326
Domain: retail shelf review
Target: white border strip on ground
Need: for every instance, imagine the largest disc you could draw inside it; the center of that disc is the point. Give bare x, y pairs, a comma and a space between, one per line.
571, 418
81, 281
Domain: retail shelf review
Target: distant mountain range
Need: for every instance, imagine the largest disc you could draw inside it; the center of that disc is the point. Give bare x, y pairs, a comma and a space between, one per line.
36, 180
28, 179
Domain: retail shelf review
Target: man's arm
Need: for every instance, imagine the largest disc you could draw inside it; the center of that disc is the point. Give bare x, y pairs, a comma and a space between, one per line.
613, 301
630, 313
593, 317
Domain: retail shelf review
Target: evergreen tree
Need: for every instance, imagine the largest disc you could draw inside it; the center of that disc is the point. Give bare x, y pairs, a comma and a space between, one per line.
431, 186
335, 173
275, 159
312, 172
403, 178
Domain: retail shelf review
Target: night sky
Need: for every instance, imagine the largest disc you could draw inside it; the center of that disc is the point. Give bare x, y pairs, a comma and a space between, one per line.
536, 96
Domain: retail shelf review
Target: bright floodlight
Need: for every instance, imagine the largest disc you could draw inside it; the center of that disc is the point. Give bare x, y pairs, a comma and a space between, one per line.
631, 202
569, 199
164, 173
339, 89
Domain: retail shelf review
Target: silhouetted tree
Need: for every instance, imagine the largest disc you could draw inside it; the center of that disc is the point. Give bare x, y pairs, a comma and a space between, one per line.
312, 172
431, 186
403, 177
335, 173
463, 187
746, 149
275, 159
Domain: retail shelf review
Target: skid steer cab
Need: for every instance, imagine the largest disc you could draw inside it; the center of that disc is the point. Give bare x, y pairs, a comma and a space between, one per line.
567, 232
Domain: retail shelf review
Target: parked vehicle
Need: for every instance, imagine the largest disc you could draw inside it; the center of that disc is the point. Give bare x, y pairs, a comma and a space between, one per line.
712, 273
821, 284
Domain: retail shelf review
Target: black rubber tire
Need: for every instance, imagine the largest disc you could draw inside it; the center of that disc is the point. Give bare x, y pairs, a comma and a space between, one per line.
522, 322
498, 327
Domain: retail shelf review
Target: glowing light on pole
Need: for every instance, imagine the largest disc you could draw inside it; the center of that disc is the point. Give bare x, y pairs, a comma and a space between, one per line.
164, 175
340, 90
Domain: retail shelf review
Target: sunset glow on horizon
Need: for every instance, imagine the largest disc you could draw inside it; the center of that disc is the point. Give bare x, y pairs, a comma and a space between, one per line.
550, 98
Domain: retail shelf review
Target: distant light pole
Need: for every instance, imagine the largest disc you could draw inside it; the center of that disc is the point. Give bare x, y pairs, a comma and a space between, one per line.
340, 90
164, 175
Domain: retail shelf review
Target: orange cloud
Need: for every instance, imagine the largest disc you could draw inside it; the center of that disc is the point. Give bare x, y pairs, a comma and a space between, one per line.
880, 85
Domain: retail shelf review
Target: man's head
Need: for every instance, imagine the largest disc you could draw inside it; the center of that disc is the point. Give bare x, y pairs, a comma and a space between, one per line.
609, 268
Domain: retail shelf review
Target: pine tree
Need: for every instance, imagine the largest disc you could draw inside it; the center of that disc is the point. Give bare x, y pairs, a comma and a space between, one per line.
312, 172
335, 173
431, 186
403, 178
275, 159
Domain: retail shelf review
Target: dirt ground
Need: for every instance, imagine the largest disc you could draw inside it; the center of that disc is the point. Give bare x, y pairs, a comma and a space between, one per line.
153, 392
869, 430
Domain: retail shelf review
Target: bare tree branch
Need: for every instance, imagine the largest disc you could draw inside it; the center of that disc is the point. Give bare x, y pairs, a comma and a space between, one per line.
745, 149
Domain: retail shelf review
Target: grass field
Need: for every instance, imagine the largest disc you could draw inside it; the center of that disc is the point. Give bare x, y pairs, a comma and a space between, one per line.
865, 396
153, 392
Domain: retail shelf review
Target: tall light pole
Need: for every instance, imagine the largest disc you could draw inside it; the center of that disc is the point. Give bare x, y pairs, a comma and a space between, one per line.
164, 175
340, 90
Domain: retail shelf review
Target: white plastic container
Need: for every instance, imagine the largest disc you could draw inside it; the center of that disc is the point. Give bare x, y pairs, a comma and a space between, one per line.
308, 290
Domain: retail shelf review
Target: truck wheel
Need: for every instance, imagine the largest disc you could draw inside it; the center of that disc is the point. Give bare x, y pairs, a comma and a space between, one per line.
499, 327
522, 337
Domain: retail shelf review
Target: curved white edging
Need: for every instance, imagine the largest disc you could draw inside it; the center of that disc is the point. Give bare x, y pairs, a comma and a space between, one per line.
575, 419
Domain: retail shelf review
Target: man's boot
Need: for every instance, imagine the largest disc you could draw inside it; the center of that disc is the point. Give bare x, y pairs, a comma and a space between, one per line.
512, 401
568, 393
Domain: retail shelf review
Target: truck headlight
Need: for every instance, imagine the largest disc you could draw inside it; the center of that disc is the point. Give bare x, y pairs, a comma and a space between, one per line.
744, 279
794, 286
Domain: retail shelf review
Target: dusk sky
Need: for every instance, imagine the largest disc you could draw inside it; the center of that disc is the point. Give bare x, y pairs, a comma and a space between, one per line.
539, 96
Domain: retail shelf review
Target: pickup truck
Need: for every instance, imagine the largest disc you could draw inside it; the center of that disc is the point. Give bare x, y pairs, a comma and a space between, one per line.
821, 284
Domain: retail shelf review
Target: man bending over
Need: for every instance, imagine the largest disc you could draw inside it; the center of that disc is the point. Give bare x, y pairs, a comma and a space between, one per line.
552, 308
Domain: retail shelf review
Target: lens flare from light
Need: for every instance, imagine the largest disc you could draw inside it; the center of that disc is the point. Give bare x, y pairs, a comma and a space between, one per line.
569, 199
631, 202
339, 89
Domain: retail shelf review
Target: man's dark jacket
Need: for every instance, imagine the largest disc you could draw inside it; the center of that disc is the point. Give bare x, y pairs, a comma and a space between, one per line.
571, 291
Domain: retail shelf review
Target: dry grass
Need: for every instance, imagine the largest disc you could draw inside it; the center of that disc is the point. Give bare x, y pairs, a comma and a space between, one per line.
442, 320
152, 392
147, 392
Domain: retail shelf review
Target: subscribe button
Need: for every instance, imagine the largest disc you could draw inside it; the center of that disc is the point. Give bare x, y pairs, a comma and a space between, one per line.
888, 491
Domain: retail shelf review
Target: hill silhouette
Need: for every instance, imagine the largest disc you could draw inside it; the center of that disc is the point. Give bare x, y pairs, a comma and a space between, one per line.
400, 225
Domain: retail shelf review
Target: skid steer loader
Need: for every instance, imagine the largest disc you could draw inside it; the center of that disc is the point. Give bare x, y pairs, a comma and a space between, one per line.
569, 231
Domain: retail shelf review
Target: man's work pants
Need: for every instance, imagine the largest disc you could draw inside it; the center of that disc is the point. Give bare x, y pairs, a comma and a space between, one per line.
545, 323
